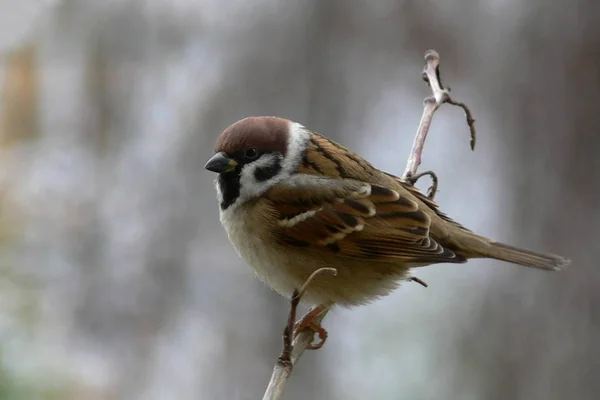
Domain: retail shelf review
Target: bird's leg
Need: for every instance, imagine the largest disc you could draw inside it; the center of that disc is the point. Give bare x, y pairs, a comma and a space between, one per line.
288, 333
308, 322
434, 182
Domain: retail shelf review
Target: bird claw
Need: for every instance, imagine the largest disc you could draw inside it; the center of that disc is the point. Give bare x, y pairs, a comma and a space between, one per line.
307, 322
315, 328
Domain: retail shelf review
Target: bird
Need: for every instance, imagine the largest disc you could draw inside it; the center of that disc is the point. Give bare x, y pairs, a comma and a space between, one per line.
292, 201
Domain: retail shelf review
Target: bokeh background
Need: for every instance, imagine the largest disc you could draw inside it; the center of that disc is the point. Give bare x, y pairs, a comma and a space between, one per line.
117, 281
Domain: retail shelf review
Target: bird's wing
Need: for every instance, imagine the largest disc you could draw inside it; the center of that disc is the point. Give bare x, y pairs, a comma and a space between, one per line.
355, 219
326, 157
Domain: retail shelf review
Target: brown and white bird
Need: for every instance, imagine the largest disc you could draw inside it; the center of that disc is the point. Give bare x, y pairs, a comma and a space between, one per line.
293, 201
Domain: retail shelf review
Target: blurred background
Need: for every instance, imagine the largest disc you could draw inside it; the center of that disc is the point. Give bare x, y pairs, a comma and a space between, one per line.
117, 281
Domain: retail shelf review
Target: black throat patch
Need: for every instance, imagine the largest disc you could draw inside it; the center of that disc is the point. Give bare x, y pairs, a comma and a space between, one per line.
229, 184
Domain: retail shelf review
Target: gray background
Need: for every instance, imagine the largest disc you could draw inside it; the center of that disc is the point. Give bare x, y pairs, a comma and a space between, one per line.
117, 281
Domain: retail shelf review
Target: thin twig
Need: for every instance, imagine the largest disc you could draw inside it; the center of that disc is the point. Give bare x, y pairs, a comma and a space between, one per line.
469, 117
419, 281
292, 350
431, 192
431, 75
312, 276
284, 365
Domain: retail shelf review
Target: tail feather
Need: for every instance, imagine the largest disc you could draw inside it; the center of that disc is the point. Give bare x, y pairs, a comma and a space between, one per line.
527, 258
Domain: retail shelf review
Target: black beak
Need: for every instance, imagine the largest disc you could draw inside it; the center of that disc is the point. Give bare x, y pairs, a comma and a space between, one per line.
220, 163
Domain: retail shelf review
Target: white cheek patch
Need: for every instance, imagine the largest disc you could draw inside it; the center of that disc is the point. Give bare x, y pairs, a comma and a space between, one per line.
250, 187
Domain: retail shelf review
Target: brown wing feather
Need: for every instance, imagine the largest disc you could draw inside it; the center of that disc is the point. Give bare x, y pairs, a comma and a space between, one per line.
430, 203
354, 219
332, 159
328, 158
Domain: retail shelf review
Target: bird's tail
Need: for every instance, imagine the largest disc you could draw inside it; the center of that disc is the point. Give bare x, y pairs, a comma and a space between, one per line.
526, 258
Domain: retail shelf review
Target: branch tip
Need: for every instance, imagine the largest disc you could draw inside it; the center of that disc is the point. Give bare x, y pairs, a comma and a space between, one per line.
432, 55
312, 276
432, 76
419, 281
469, 118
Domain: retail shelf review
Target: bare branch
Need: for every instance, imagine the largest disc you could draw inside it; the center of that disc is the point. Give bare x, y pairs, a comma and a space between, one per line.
431, 75
293, 350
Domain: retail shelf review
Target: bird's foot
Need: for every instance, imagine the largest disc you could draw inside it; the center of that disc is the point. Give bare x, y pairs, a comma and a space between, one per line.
309, 322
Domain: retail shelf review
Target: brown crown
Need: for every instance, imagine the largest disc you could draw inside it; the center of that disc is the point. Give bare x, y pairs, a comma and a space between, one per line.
264, 133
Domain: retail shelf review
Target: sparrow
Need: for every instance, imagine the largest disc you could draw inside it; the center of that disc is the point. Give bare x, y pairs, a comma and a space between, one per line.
293, 201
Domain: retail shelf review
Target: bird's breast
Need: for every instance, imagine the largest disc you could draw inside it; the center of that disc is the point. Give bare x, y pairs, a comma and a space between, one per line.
287, 268
250, 238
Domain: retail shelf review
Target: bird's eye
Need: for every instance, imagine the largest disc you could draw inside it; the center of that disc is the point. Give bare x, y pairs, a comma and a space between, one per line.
251, 153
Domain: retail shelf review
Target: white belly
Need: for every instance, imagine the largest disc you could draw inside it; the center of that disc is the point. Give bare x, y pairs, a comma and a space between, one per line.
248, 242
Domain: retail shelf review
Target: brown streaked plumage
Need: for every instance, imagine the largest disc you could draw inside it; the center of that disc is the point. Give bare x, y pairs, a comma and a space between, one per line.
353, 223
297, 201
